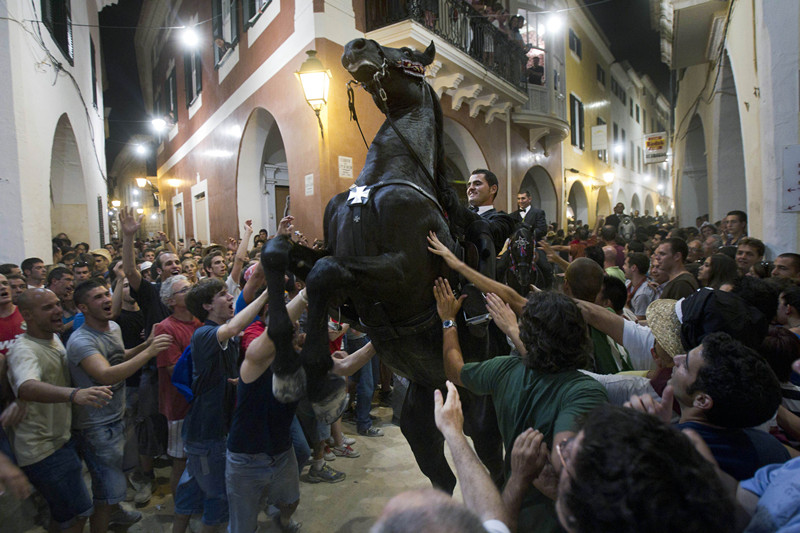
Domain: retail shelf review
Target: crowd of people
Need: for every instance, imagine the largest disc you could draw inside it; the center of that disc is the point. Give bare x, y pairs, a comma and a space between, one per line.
651, 389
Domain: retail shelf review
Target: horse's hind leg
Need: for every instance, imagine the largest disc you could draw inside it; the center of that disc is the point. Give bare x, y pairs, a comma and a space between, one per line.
427, 443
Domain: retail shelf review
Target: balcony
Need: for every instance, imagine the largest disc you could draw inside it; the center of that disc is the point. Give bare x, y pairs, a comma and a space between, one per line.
691, 30
476, 64
545, 112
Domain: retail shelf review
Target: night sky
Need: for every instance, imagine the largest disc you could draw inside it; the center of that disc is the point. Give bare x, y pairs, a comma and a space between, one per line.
123, 93
626, 23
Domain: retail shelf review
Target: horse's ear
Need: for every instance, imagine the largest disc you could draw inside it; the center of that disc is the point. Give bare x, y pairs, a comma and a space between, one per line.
429, 54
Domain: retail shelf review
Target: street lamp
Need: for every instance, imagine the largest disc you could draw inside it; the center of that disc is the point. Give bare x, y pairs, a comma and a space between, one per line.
608, 177
141, 182
116, 203
174, 183
316, 80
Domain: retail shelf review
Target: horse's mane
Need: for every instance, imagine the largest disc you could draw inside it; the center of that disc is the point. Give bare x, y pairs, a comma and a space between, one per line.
444, 190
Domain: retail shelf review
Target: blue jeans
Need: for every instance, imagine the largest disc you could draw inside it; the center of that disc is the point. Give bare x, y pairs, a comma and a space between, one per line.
201, 488
249, 477
366, 385
59, 479
102, 449
302, 451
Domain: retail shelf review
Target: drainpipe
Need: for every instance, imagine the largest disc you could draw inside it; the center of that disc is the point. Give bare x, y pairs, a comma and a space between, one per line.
508, 159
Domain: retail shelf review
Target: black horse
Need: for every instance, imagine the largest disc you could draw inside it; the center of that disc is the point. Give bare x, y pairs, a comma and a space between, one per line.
523, 264
378, 270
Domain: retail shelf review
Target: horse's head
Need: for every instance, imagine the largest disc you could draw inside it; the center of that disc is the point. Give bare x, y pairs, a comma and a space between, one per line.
398, 71
523, 256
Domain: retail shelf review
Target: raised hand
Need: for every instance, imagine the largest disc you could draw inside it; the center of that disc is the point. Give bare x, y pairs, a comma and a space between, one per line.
447, 413
232, 244
503, 316
285, 225
435, 246
248, 226
446, 304
646, 404
159, 344
129, 223
529, 455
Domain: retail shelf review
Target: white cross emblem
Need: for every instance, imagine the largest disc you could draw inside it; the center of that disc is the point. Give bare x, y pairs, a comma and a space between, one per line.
358, 195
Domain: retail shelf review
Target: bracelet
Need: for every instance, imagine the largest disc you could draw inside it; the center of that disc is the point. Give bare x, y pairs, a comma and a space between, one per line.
73, 393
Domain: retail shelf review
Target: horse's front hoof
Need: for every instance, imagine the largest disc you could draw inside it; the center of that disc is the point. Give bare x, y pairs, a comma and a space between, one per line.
275, 254
334, 399
289, 388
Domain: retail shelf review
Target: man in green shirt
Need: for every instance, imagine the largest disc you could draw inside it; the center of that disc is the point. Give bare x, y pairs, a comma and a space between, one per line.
542, 389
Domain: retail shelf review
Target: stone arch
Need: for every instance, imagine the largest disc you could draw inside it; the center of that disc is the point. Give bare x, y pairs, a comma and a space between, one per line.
730, 186
462, 154
649, 205
69, 209
603, 203
578, 202
636, 205
262, 175
693, 177
622, 198
539, 184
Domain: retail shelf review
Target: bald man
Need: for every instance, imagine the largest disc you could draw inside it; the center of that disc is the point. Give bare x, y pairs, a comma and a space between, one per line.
37, 371
610, 263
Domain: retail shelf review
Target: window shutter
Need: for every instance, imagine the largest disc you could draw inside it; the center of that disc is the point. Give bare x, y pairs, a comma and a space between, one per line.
198, 72
247, 13
234, 21
216, 28
187, 77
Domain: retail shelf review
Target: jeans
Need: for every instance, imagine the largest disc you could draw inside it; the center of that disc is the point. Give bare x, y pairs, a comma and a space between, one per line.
302, 451
59, 479
250, 477
202, 485
366, 385
102, 449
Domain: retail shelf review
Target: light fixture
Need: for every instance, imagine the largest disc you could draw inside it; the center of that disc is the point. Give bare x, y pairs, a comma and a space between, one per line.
646, 178
316, 80
159, 124
608, 177
135, 204
140, 210
141, 149
661, 187
141, 182
116, 203
618, 148
153, 216
174, 183
189, 37
554, 23
135, 192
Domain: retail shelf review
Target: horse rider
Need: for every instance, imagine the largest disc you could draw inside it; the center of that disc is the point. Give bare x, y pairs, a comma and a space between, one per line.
489, 233
527, 214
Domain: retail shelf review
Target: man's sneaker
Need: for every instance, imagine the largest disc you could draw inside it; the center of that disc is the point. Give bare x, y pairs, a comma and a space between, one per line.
371, 432
345, 451
143, 485
291, 527
326, 474
348, 441
328, 455
122, 517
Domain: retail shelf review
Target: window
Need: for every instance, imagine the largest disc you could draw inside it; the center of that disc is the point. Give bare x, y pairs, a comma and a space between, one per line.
575, 44
637, 113
171, 97
644, 121
616, 140
576, 122
618, 91
601, 75
632, 151
57, 18
224, 26
624, 150
630, 102
252, 9
602, 155
193, 74
93, 61
639, 159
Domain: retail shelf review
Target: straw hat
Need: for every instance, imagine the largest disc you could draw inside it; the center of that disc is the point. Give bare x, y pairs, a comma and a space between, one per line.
666, 328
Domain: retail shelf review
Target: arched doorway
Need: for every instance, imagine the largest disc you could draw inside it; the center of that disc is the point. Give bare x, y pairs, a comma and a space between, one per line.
693, 177
636, 205
603, 203
538, 183
649, 205
462, 155
577, 203
730, 188
262, 177
69, 212
622, 198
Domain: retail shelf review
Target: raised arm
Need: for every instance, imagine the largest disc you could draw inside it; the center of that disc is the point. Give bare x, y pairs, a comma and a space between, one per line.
116, 298
601, 318
98, 368
479, 492
240, 257
130, 224
509, 295
242, 319
447, 306
350, 364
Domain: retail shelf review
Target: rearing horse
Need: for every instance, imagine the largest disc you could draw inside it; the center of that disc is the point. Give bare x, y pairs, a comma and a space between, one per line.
378, 269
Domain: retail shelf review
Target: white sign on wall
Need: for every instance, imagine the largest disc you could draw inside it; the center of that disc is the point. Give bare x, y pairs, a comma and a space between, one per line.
790, 190
345, 167
655, 147
309, 184
600, 137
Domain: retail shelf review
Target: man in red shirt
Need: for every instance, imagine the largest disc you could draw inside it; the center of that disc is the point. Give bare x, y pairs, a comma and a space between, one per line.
11, 321
171, 403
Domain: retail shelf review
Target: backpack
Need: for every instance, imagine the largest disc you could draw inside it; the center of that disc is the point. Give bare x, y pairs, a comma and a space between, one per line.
182, 374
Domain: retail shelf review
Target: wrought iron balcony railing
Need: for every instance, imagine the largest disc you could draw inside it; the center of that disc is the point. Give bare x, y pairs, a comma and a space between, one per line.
458, 23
